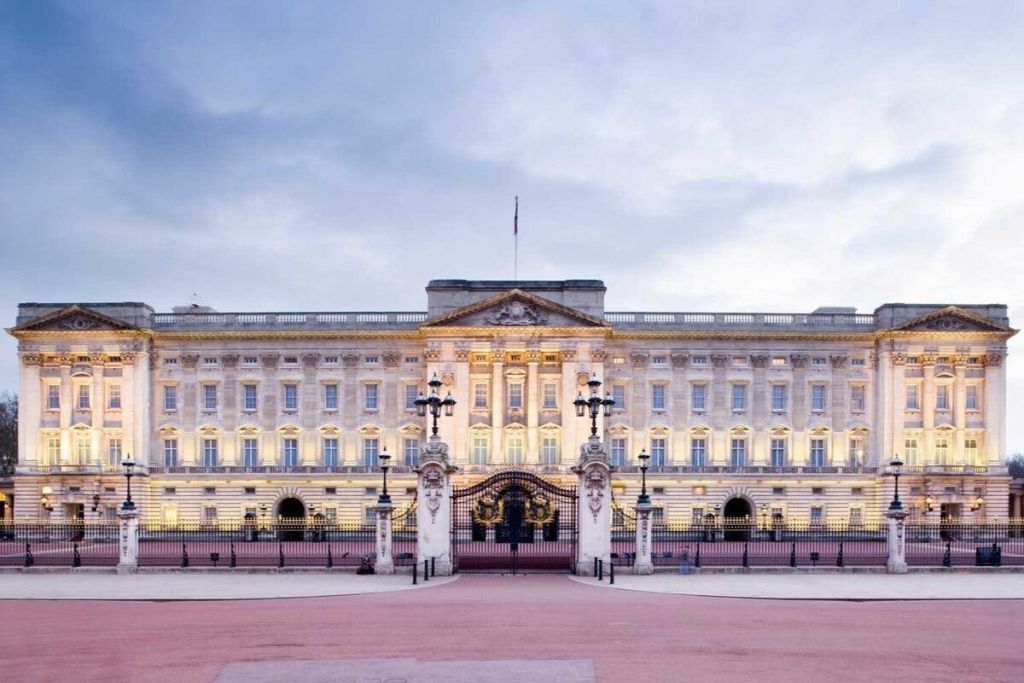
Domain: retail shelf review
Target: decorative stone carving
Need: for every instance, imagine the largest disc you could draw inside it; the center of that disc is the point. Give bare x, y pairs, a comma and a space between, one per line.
447, 379
31, 359
229, 360
516, 312
680, 360
270, 360
759, 361
433, 489
432, 354
582, 378
310, 360
638, 360
79, 323
498, 355
350, 360
873, 360
899, 359
598, 355
959, 361
798, 360
532, 356
946, 323
926, 359
391, 360
993, 360
719, 360
568, 355
189, 361
838, 362
462, 355
595, 483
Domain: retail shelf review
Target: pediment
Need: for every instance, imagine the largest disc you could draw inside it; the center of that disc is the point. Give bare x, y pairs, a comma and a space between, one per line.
515, 308
73, 318
950, 319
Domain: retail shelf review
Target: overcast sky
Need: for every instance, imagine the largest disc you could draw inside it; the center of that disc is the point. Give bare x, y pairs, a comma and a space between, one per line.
701, 156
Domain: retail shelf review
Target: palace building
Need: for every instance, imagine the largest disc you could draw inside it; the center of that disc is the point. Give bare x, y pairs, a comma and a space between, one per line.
287, 414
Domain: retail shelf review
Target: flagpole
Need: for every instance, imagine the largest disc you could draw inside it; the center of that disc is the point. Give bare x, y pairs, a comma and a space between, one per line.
515, 237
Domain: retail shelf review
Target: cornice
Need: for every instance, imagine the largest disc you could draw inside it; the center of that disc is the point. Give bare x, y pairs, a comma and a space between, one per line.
515, 331
198, 335
62, 334
737, 335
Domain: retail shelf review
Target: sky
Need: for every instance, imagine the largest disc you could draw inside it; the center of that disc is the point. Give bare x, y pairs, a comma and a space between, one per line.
701, 156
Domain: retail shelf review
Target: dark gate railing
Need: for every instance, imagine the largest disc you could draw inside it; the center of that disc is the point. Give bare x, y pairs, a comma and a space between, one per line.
514, 522
71, 543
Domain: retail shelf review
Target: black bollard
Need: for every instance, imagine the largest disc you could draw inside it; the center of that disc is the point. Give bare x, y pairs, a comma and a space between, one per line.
426, 574
600, 569
611, 573
415, 573
595, 566
432, 567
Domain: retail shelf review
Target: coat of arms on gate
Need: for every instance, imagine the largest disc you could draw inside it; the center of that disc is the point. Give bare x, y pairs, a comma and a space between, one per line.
539, 510
488, 510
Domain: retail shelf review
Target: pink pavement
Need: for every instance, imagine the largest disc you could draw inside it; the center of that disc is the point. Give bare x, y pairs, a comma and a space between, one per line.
629, 636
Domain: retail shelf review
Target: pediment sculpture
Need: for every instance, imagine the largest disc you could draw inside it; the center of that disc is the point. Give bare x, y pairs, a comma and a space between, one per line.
516, 312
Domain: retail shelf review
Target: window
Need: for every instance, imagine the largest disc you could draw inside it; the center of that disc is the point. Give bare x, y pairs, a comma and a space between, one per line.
550, 357
817, 452
698, 399
618, 360
170, 361
290, 452
53, 449
856, 516
209, 397
910, 451
170, 452
210, 360
170, 398
971, 452
370, 397
778, 361
411, 447
250, 360
480, 395
550, 395
411, 394
84, 449
818, 398
942, 451
250, 491
942, 397
412, 359
330, 447
53, 397
291, 397
657, 397
331, 515
515, 450
779, 398
330, 360
698, 360
740, 361
209, 452
479, 357
370, 452
549, 450
856, 452
819, 361
912, 403
618, 452
249, 400
481, 446
657, 452
114, 451
290, 360
371, 360
857, 398
698, 451
857, 361
619, 396
515, 395
972, 397
83, 397
659, 360
738, 452
250, 453
739, 397
778, 452
817, 514
330, 397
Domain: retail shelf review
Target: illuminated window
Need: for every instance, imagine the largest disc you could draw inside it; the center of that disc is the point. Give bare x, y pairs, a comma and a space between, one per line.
857, 452
53, 449
942, 451
114, 451
83, 447
910, 451
971, 451
778, 361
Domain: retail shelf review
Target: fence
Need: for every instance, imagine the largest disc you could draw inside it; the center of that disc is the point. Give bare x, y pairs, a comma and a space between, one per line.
248, 543
623, 537
74, 543
403, 536
965, 544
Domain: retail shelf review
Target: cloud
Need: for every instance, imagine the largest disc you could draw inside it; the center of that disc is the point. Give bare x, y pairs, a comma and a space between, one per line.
709, 156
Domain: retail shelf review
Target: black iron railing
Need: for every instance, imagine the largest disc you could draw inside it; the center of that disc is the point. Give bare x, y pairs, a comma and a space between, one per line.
73, 543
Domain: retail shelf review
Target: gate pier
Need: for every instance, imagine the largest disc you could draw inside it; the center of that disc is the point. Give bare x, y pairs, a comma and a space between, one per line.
433, 513
595, 506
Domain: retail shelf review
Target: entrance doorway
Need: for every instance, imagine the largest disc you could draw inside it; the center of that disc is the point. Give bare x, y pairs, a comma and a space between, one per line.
291, 515
737, 519
75, 514
949, 515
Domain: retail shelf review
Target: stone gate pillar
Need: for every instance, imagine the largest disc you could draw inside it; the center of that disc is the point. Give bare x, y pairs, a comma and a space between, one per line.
644, 520
896, 541
385, 563
434, 509
128, 540
594, 513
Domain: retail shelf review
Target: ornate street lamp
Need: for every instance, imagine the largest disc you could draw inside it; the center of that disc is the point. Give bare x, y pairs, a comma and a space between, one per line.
385, 458
96, 496
595, 403
435, 404
128, 464
977, 503
764, 517
643, 498
896, 467
45, 500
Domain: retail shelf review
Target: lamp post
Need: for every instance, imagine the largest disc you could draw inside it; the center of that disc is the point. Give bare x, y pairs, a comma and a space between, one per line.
96, 496
764, 517
129, 465
643, 498
385, 458
896, 466
595, 403
435, 404
45, 499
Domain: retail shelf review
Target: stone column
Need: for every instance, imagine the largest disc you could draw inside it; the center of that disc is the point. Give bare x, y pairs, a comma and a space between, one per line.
643, 563
497, 406
928, 407
434, 510
896, 541
994, 408
959, 408
898, 408
594, 514
532, 407
385, 560
128, 523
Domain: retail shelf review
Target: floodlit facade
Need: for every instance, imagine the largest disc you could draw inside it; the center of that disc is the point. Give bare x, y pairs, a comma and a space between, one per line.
287, 414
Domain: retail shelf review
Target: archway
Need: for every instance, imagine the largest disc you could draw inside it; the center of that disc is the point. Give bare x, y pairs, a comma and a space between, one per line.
737, 518
291, 513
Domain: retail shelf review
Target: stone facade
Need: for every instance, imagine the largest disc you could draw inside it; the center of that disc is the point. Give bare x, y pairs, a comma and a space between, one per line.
743, 413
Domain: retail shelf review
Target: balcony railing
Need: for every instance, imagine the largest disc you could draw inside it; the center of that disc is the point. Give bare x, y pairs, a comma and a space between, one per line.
245, 321
279, 469
744, 321
747, 469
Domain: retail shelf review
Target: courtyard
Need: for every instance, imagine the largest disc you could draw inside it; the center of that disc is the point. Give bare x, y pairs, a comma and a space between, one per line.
497, 628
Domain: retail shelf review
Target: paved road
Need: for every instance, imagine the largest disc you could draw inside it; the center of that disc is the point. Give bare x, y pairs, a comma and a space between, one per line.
618, 635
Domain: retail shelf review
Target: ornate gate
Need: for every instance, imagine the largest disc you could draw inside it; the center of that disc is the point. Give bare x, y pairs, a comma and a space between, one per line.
514, 522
